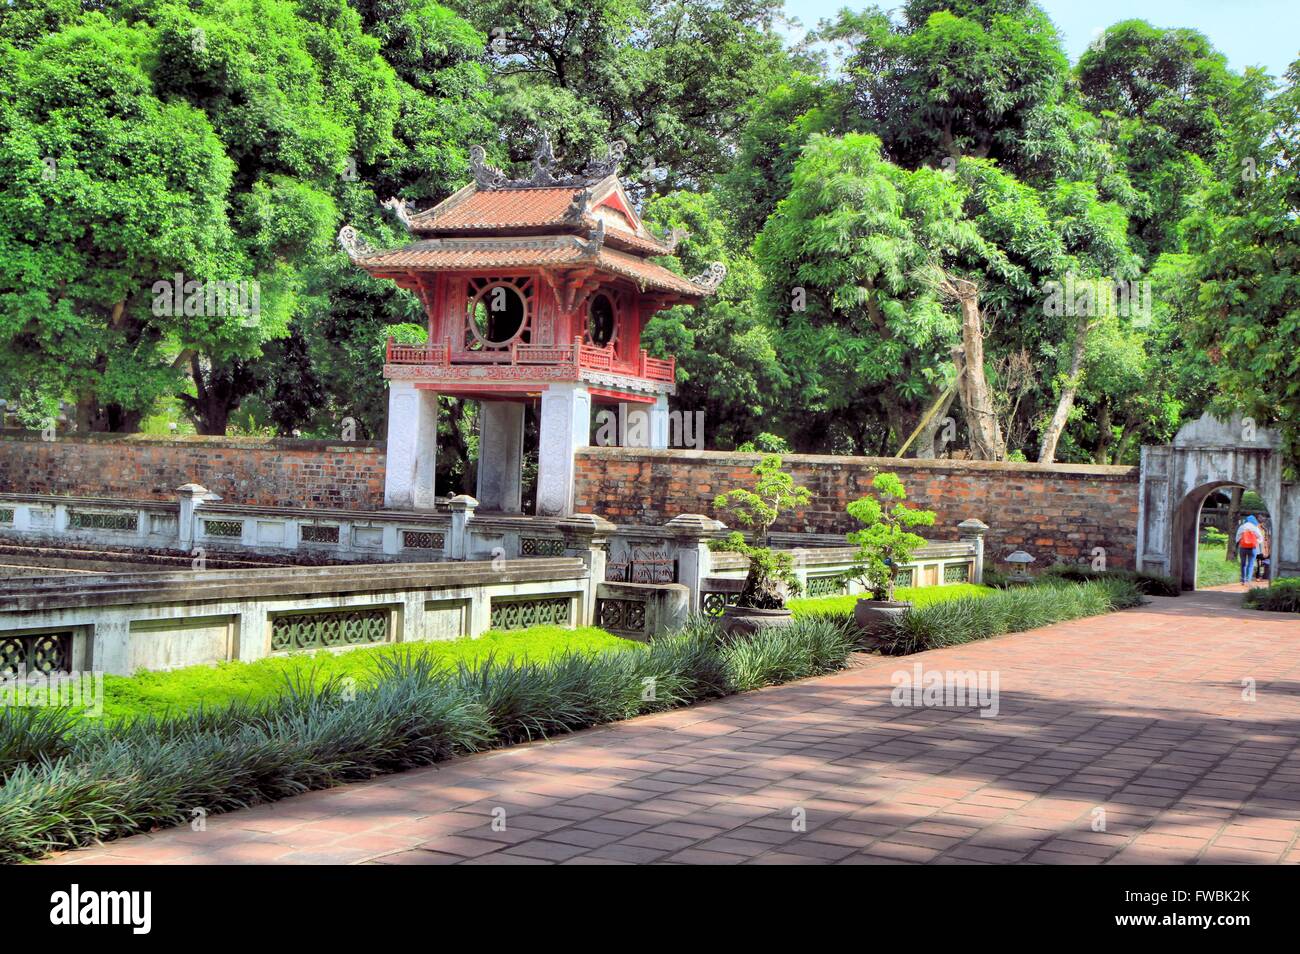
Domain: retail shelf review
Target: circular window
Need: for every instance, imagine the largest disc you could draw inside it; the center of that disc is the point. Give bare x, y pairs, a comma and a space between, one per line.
497, 314
600, 320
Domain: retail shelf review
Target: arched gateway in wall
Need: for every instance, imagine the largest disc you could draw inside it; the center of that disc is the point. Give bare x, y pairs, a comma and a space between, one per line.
1176, 478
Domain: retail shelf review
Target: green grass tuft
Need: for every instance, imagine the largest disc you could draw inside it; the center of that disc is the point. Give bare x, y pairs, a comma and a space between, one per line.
1148, 584
842, 606
954, 622
1283, 596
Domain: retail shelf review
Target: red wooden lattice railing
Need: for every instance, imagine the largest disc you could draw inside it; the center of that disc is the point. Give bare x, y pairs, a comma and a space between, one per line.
579, 355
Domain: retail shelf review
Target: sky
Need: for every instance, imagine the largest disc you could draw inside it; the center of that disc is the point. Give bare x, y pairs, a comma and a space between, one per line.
1249, 32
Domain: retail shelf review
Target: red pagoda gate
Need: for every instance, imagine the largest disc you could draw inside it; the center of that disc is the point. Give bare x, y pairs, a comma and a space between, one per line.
534, 289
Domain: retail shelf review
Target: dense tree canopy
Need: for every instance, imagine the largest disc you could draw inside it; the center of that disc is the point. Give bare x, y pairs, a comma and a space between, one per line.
948, 223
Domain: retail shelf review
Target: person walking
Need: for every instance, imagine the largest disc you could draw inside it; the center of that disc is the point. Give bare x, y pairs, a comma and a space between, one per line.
1249, 537
1263, 552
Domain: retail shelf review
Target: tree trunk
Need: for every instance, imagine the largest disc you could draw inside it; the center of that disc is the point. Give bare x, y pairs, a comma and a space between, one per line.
1104, 436
1234, 511
87, 408
923, 447
986, 441
219, 392
985, 432
1132, 429
1052, 436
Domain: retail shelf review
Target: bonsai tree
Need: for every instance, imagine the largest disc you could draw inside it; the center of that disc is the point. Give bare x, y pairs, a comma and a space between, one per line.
885, 541
771, 574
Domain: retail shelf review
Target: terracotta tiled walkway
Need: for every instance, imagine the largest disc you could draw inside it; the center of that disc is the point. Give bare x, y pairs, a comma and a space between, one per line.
1135, 720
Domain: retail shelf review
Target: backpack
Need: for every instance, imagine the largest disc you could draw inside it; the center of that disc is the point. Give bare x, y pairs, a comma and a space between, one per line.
1249, 540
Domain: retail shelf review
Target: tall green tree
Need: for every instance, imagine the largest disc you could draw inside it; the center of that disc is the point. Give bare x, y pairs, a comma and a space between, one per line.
280, 102
777, 126
726, 357
107, 188
1163, 96
864, 263
1246, 248
862, 334
444, 102
953, 78
671, 79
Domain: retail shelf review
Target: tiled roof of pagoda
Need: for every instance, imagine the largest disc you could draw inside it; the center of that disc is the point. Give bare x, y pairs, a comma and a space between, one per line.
433, 255
479, 211
496, 222
474, 211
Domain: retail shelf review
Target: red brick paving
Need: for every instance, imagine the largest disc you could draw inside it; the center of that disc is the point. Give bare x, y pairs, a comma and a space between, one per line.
1137, 719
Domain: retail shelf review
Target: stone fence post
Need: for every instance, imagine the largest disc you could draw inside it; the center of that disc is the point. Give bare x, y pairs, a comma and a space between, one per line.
585, 536
191, 497
462, 510
972, 532
691, 533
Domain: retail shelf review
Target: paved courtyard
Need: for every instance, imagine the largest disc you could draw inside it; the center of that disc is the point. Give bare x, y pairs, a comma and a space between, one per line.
1127, 739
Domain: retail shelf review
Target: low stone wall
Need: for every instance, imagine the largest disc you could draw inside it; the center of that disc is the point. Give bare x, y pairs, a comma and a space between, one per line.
1053, 511
123, 622
254, 471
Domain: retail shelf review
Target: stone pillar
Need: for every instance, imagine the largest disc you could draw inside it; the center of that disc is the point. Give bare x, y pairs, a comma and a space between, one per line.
659, 423
110, 644
501, 456
191, 498
565, 427
1286, 533
412, 449
690, 533
972, 532
585, 535
462, 509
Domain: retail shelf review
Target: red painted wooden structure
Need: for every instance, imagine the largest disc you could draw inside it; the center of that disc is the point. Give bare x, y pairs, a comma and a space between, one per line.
532, 282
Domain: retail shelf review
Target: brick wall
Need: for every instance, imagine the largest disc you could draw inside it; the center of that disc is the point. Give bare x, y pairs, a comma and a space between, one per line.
280, 473
1051, 510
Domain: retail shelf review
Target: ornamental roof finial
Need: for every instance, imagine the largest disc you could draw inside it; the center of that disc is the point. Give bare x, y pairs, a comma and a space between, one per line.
488, 177
595, 241
398, 208
353, 244
711, 277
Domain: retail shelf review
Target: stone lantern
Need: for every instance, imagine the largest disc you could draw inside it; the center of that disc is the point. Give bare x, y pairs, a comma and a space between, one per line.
1020, 561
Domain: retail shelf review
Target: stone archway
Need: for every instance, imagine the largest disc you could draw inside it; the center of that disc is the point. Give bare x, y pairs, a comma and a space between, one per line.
1176, 478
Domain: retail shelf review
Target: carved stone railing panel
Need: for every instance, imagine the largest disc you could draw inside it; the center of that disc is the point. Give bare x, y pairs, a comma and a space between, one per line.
358, 627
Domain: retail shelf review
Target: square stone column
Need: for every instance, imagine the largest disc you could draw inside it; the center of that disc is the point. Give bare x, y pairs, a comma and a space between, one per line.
586, 536
190, 497
462, 511
411, 457
972, 531
659, 423
500, 456
565, 427
690, 533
